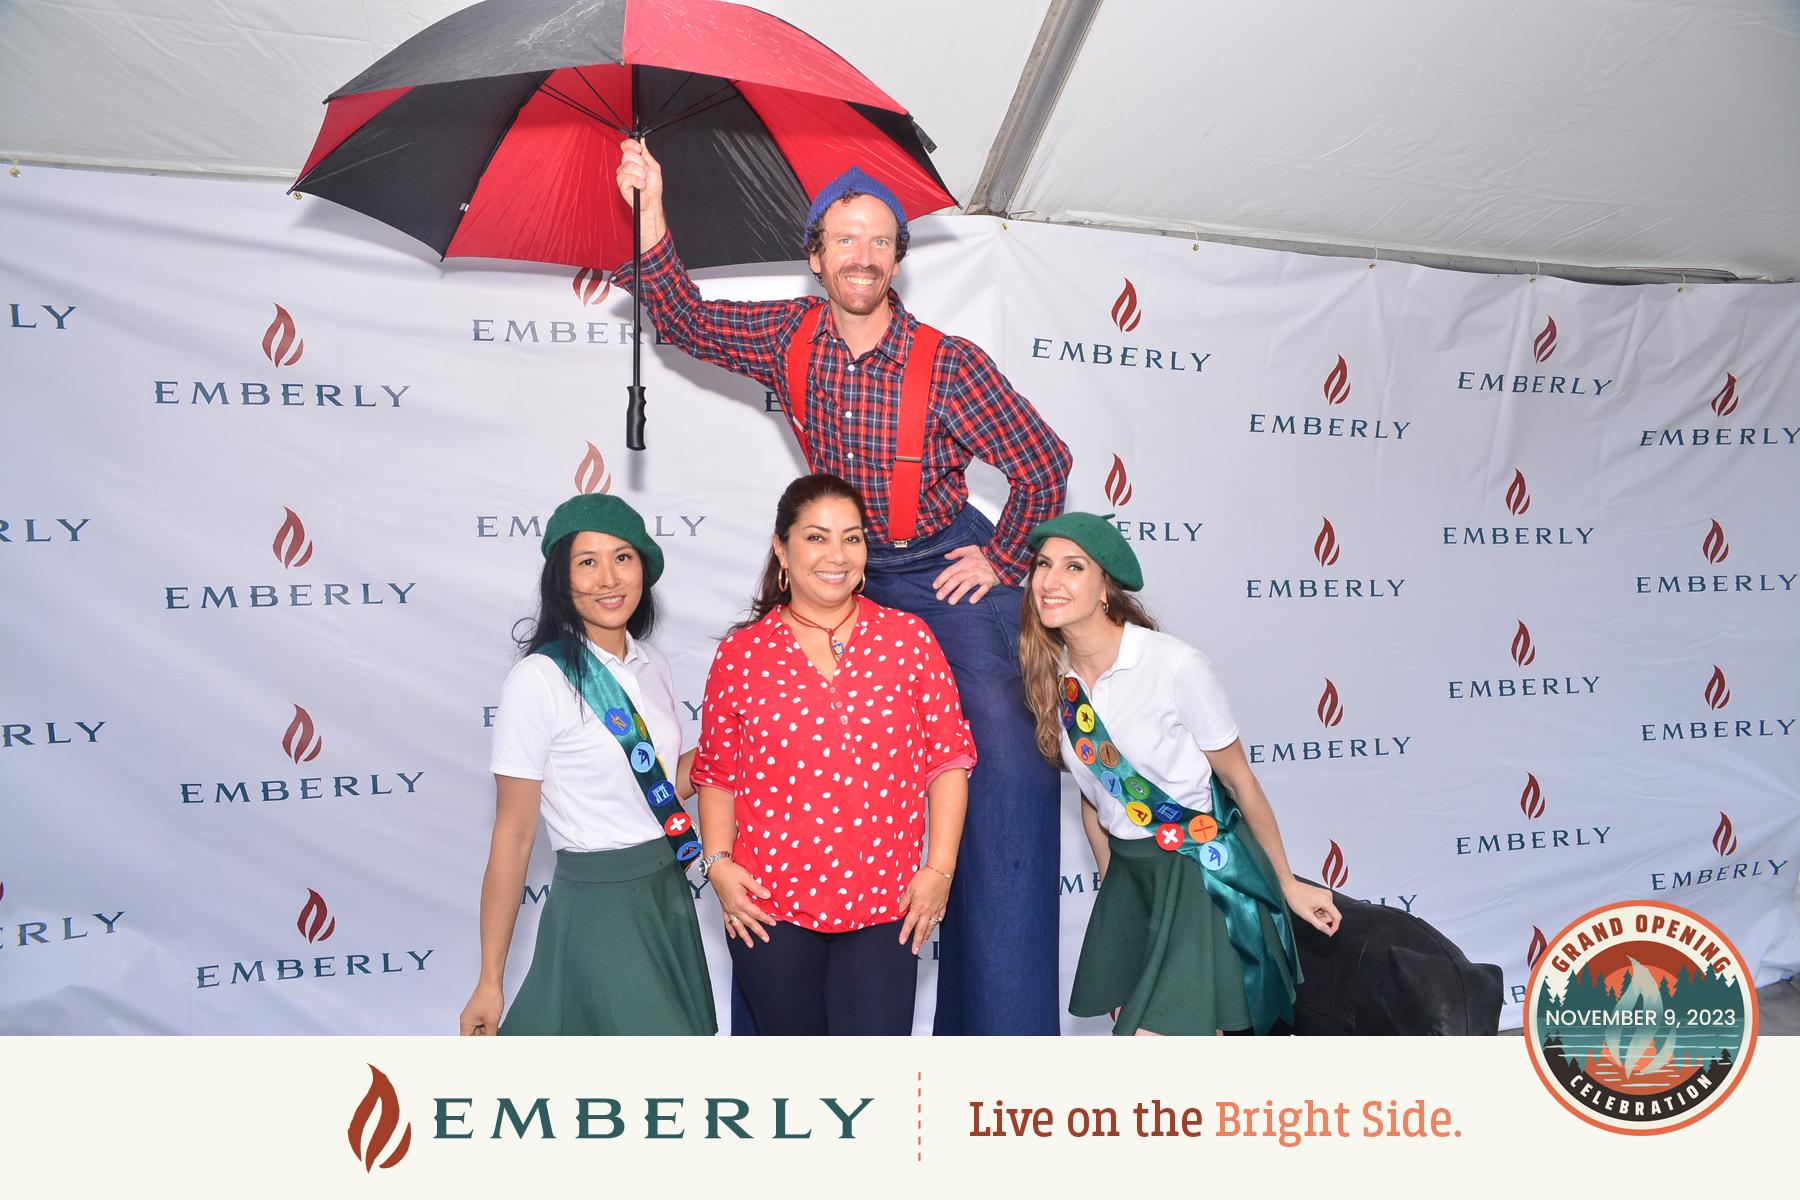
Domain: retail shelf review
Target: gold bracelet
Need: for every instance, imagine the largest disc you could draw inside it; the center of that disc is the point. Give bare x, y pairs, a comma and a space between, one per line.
928, 867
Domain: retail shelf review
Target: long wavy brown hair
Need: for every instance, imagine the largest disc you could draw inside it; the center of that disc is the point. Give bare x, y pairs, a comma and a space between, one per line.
807, 489
1041, 652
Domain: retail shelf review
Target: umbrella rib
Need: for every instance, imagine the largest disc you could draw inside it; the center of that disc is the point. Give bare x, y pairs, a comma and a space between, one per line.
722, 96
556, 95
602, 99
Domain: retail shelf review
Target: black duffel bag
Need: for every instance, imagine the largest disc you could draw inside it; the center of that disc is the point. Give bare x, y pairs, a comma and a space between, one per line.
1387, 972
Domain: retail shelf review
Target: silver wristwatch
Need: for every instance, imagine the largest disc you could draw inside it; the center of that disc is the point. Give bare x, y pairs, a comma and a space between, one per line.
706, 864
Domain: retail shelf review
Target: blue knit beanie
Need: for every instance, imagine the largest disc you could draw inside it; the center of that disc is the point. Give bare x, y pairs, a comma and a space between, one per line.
854, 180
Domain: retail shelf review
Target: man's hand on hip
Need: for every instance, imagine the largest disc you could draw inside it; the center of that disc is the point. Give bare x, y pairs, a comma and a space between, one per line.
969, 574
637, 169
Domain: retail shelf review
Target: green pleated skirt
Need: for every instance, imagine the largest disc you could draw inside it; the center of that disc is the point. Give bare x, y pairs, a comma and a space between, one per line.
618, 950
1157, 948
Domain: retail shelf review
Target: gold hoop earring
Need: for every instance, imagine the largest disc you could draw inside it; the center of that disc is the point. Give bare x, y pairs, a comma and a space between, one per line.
781, 582
861, 582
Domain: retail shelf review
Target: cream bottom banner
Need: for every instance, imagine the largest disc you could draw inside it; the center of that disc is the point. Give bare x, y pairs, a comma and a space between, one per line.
430, 1117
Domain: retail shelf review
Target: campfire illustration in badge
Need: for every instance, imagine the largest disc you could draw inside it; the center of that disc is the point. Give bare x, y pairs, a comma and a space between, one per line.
1639, 1018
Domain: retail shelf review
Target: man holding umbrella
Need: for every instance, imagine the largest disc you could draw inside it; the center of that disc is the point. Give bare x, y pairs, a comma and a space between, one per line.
898, 410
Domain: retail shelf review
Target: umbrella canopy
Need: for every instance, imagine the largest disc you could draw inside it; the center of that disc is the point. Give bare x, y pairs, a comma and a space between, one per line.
494, 133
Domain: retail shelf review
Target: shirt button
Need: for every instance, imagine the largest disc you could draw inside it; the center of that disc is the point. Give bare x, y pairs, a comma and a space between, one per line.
851, 455
846, 414
852, 368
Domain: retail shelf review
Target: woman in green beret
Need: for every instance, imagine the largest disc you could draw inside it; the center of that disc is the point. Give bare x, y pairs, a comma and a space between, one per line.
1190, 933
587, 721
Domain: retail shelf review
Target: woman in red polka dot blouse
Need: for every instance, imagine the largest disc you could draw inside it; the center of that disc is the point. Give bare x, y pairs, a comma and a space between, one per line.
833, 772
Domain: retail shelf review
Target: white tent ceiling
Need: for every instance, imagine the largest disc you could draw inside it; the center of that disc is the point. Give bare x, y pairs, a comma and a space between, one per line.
1599, 133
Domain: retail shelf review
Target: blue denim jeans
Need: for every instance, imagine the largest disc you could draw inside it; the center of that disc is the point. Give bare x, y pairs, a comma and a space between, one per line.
997, 945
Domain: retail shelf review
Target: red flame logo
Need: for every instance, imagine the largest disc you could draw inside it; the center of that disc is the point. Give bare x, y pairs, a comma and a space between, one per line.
1539, 944
1717, 694
591, 285
590, 474
290, 544
1337, 383
1125, 312
1726, 402
281, 342
1714, 545
1334, 872
1118, 484
300, 742
1325, 546
1531, 800
1544, 344
315, 923
1518, 499
1725, 841
1331, 713
1523, 652
380, 1095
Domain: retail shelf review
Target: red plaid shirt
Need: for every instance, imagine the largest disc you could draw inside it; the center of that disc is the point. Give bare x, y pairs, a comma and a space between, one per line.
853, 406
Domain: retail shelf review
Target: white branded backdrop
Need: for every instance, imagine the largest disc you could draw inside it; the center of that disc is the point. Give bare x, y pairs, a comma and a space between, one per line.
1500, 575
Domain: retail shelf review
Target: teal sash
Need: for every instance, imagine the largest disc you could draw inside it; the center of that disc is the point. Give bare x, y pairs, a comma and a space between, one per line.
610, 703
1211, 841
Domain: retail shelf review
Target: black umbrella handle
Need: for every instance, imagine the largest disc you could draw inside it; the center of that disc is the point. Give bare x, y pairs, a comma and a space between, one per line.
634, 418
634, 408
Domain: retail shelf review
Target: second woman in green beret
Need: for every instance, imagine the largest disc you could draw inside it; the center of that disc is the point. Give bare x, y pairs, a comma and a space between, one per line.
1190, 933
586, 725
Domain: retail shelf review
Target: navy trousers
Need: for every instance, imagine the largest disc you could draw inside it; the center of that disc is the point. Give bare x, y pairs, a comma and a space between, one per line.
997, 945
805, 984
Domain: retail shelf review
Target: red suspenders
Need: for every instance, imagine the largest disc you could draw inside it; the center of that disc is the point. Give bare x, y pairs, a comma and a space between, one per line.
905, 474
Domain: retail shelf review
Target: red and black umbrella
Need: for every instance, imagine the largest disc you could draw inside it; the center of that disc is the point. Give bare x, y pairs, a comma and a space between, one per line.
494, 134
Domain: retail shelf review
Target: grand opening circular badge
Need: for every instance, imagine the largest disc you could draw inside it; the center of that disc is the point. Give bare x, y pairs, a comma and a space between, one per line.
1639, 1017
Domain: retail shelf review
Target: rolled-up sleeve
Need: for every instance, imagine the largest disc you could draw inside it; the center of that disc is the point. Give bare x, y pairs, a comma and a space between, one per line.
945, 740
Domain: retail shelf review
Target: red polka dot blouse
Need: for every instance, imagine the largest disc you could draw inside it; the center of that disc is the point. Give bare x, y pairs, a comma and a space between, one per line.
829, 779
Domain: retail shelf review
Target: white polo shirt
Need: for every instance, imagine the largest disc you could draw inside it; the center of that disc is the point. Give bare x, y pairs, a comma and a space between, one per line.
1164, 708
591, 800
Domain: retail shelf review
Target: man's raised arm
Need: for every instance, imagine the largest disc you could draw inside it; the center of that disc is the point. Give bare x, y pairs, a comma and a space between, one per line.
747, 338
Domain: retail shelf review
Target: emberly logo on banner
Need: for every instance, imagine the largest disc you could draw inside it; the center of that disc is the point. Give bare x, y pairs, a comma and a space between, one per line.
283, 346
1326, 550
49, 733
1723, 405
1543, 345
1336, 389
591, 288
1727, 868
1532, 804
31, 316
590, 476
1524, 654
293, 549
315, 925
39, 530
1334, 873
1139, 527
33, 932
1714, 549
1330, 710
1717, 695
301, 743
1516, 500
1125, 315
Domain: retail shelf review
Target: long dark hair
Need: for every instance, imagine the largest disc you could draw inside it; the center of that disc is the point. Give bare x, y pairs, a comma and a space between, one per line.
558, 622
805, 490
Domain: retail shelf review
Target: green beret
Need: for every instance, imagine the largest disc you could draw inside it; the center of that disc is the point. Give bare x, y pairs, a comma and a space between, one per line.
1100, 538
601, 513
